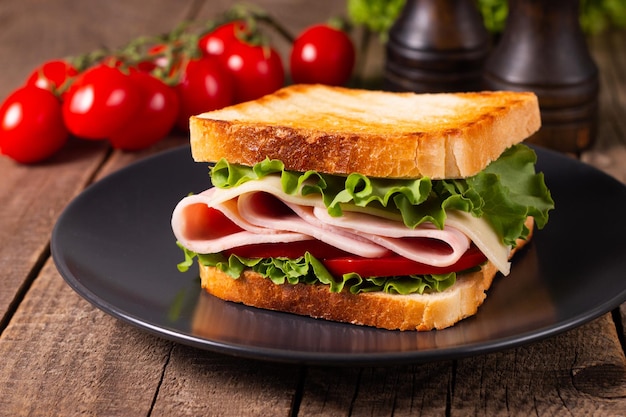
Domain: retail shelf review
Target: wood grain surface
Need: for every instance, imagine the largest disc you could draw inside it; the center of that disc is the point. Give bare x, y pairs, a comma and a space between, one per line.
61, 356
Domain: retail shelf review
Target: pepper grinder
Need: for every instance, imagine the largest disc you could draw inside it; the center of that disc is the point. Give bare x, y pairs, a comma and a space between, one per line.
544, 50
436, 46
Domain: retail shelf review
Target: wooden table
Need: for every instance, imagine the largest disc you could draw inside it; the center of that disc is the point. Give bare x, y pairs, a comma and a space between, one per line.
61, 356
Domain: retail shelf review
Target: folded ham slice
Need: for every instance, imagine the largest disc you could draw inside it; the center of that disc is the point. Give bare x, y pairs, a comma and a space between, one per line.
259, 212
415, 244
264, 210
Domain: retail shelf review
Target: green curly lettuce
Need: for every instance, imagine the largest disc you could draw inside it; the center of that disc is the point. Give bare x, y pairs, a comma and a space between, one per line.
505, 193
376, 16
309, 270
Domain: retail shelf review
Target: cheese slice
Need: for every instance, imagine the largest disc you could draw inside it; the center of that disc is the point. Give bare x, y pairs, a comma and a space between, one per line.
483, 236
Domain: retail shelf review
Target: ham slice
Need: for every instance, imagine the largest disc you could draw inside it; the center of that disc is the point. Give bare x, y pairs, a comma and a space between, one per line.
187, 220
302, 220
259, 212
415, 244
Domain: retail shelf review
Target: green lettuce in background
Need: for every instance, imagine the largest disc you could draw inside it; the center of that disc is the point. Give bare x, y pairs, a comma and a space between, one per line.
377, 16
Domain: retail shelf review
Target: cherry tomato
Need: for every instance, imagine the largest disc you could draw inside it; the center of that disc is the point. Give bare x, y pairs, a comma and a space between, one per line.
217, 42
155, 117
204, 86
100, 102
52, 75
322, 54
32, 126
398, 266
256, 70
153, 59
163, 56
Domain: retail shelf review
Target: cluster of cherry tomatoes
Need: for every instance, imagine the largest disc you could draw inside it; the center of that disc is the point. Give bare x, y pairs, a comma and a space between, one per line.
134, 99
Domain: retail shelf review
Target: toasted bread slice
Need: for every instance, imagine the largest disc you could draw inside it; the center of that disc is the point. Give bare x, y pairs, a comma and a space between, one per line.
420, 312
381, 134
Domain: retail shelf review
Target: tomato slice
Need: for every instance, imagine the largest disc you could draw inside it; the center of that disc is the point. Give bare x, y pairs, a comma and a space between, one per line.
339, 262
290, 250
397, 265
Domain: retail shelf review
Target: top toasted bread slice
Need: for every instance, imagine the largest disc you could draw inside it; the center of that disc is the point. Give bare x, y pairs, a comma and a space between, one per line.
380, 134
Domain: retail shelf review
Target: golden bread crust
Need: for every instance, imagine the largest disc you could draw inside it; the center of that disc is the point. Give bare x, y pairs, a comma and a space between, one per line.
401, 312
339, 131
394, 312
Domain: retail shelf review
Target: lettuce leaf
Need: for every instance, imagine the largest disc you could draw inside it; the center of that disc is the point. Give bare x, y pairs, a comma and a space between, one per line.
309, 270
505, 193
512, 191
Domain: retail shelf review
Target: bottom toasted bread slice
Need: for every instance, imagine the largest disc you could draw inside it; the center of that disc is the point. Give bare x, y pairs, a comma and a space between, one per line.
420, 312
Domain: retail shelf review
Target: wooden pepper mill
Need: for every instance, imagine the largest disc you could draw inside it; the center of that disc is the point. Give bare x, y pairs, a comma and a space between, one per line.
436, 46
543, 49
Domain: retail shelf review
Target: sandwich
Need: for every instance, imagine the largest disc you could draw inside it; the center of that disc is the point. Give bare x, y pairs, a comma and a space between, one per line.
391, 210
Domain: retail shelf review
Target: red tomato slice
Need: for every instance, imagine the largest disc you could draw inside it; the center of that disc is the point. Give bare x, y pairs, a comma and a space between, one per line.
397, 265
290, 250
339, 262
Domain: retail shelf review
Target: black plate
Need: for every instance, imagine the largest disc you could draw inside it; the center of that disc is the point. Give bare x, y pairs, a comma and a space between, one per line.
114, 246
